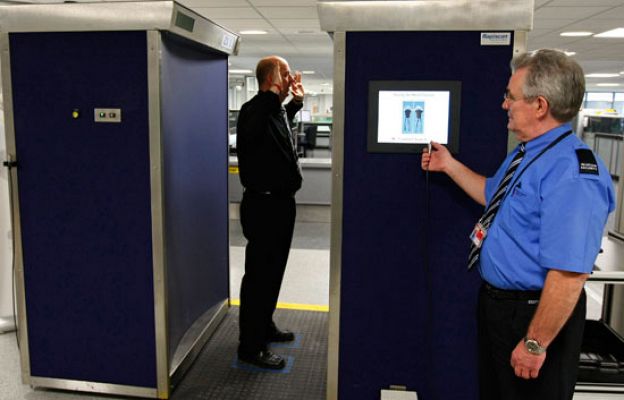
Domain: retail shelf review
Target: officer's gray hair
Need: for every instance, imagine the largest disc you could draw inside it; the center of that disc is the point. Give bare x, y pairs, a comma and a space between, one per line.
555, 76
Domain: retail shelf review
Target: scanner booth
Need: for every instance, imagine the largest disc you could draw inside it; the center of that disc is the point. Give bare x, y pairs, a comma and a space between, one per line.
402, 304
116, 117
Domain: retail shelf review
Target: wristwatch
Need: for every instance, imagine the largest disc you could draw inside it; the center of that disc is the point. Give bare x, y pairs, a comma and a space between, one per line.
533, 346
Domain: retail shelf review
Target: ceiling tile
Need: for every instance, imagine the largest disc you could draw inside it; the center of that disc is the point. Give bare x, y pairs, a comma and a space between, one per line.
594, 25
614, 13
230, 13
283, 3
238, 25
214, 3
567, 3
568, 12
297, 24
289, 12
550, 23
535, 33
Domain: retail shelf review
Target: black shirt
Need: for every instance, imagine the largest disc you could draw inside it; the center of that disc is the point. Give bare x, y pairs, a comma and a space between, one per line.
267, 159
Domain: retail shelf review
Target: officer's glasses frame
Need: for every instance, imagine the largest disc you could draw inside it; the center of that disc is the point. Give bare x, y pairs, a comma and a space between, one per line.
508, 97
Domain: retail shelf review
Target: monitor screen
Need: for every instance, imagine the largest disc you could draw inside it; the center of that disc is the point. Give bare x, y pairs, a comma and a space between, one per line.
305, 116
404, 116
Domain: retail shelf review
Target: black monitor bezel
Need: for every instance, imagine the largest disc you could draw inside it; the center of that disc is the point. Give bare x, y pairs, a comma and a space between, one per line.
374, 87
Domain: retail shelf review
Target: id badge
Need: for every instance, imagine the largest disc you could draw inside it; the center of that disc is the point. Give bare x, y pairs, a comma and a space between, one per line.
478, 235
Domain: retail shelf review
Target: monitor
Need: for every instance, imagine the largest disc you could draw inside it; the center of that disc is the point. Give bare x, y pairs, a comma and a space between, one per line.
305, 116
404, 116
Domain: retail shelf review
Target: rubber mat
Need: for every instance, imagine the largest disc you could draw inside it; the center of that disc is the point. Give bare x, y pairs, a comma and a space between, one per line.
217, 374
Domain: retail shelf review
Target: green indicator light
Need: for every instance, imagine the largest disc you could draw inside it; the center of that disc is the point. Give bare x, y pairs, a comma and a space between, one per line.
102, 115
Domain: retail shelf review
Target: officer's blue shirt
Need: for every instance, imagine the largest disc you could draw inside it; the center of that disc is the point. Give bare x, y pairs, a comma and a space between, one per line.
553, 217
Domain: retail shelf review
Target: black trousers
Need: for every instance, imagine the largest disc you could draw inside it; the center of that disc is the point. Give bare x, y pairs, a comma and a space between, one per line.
268, 222
502, 323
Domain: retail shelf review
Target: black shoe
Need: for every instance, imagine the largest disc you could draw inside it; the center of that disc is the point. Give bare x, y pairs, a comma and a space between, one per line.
263, 359
281, 336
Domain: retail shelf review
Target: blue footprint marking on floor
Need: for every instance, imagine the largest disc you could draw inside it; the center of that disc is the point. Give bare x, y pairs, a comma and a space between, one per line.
290, 360
295, 344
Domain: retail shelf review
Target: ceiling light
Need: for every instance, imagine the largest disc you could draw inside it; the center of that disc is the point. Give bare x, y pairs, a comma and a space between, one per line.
608, 84
240, 71
570, 53
576, 34
253, 32
601, 75
308, 72
613, 33
325, 84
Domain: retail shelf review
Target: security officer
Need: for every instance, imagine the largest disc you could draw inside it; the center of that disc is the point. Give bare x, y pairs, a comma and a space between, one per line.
270, 174
539, 236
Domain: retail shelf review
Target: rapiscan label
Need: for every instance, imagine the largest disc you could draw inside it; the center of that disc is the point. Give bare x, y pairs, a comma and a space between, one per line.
495, 38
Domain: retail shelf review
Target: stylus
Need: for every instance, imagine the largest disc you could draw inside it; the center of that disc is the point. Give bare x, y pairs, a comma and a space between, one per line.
428, 152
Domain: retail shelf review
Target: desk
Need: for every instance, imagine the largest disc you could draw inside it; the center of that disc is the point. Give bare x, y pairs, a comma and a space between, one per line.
609, 268
609, 265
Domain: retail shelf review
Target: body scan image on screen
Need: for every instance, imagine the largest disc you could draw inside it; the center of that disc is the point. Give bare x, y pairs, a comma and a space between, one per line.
404, 116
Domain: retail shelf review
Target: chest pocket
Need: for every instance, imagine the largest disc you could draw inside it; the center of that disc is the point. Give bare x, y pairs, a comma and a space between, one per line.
523, 206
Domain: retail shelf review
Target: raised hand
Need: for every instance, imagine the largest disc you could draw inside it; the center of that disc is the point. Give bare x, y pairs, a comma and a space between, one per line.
296, 87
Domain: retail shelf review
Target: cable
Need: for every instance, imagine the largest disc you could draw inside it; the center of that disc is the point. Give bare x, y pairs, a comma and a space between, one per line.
10, 164
427, 203
426, 270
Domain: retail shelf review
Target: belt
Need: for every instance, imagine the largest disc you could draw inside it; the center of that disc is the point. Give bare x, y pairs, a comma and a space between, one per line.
521, 295
275, 193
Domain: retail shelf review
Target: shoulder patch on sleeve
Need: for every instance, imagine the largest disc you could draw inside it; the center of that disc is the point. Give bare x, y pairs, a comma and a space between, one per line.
587, 162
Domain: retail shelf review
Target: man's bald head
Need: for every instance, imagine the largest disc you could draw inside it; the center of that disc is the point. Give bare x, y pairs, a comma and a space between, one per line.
265, 68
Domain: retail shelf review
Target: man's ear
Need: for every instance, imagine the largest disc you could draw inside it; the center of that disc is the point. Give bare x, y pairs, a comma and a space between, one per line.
542, 107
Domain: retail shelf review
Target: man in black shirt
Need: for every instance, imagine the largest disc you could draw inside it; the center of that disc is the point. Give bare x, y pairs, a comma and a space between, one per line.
270, 174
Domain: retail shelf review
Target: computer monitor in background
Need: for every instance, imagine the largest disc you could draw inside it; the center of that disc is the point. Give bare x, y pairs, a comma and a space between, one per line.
305, 116
404, 116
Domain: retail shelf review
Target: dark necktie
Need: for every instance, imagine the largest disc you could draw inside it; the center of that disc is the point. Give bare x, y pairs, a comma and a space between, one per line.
490, 212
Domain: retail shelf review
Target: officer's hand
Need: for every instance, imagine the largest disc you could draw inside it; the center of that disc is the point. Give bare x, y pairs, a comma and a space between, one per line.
526, 365
438, 160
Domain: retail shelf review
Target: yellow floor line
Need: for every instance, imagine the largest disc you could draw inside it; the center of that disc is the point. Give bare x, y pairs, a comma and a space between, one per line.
291, 306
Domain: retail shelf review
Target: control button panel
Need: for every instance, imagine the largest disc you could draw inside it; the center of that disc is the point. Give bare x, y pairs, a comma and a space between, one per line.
107, 114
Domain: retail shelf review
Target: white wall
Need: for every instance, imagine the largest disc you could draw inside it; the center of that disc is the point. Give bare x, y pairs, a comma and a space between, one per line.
5, 229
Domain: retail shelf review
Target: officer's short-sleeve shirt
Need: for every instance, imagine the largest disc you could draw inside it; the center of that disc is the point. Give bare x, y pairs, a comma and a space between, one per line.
552, 217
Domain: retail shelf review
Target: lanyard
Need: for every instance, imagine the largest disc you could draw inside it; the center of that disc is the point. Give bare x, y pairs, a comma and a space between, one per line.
550, 146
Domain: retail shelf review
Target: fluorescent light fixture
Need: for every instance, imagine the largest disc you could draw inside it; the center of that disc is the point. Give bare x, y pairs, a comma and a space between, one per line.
621, 72
253, 32
240, 71
308, 72
600, 75
570, 53
608, 84
325, 84
613, 33
576, 34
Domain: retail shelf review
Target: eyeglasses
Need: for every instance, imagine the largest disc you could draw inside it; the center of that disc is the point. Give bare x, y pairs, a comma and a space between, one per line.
507, 96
